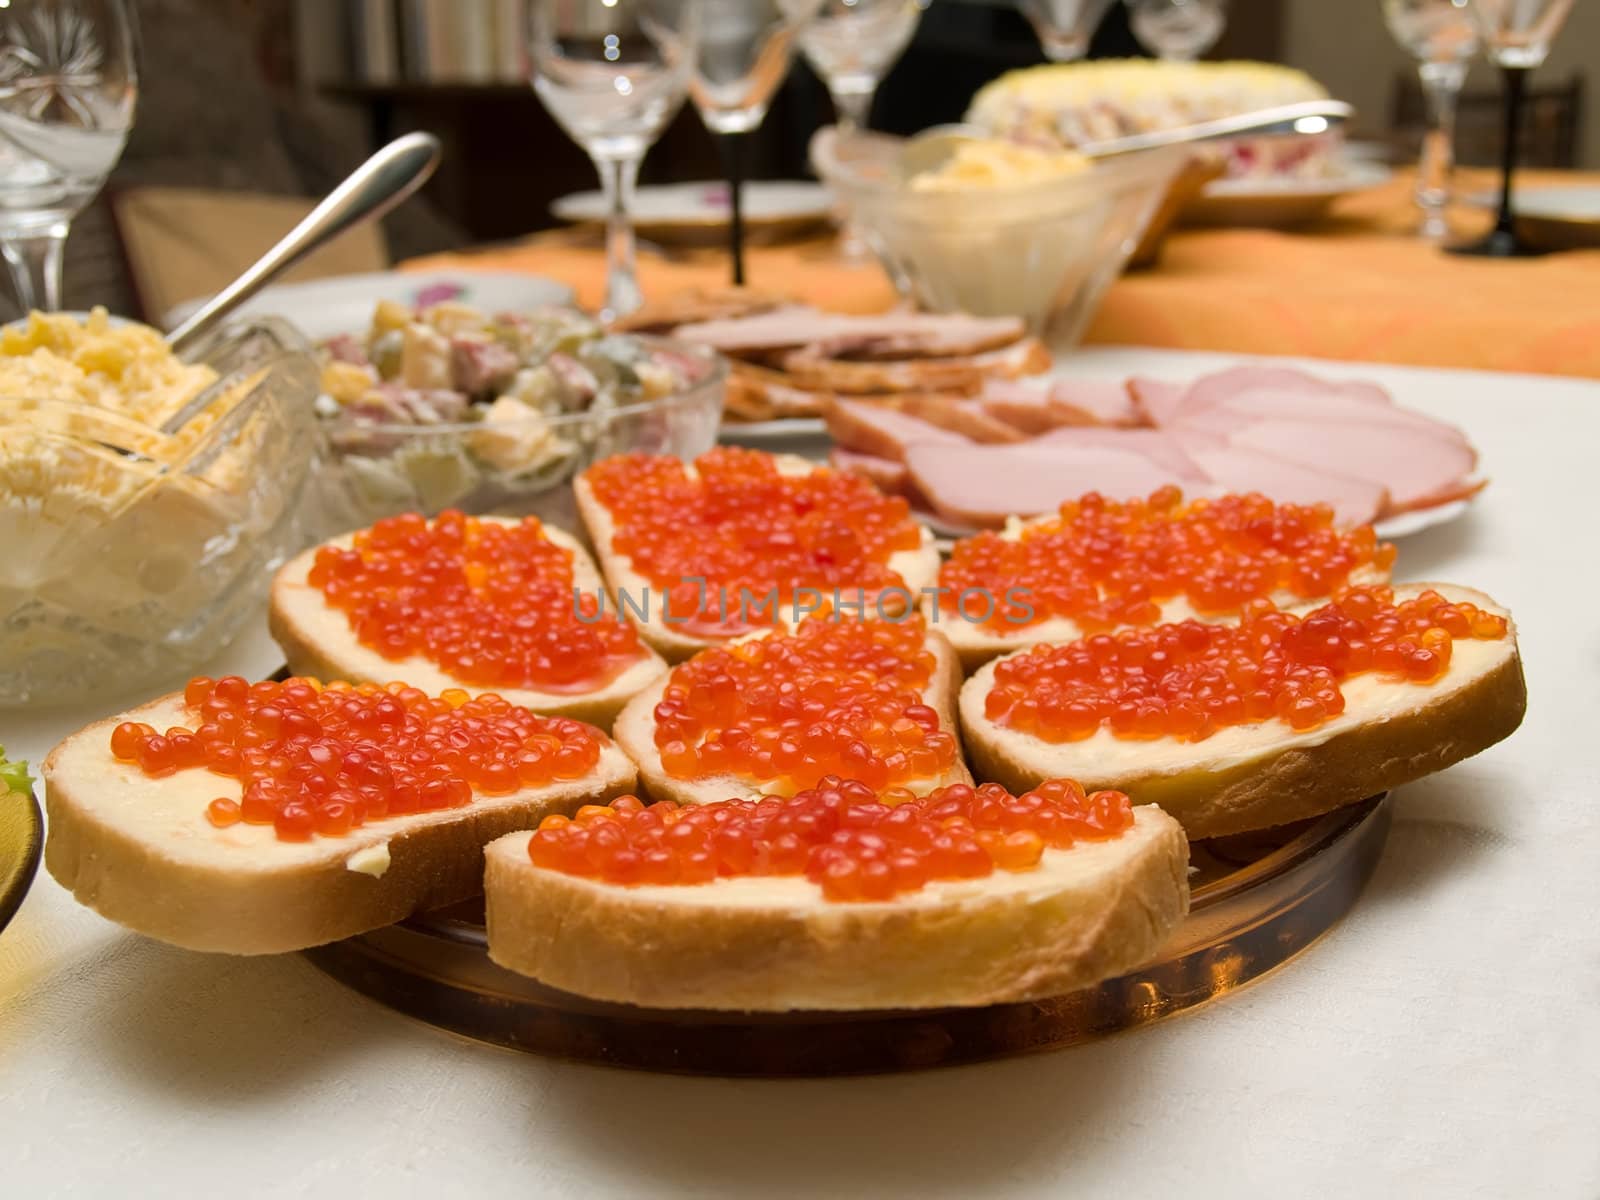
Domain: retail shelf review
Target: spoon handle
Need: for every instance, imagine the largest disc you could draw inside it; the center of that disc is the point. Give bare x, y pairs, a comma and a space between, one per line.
1307, 116
371, 190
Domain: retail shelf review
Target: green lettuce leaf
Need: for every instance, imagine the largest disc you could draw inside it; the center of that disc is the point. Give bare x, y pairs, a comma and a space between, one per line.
14, 776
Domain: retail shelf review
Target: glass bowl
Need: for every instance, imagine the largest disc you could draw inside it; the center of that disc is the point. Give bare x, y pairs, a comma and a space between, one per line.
120, 565
513, 468
1043, 250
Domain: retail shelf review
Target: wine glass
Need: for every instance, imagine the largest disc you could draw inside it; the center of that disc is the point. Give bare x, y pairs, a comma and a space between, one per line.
1441, 36
1516, 36
1178, 30
851, 44
613, 73
1065, 26
68, 85
745, 50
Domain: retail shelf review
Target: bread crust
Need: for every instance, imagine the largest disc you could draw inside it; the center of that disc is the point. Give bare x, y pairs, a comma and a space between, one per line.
1281, 783
316, 640
176, 891
635, 733
919, 568
1095, 911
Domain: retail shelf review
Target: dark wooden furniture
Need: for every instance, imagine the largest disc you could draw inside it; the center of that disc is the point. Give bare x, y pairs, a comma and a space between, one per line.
1551, 125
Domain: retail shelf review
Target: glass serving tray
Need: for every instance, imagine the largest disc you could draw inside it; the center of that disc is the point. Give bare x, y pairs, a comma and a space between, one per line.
1258, 900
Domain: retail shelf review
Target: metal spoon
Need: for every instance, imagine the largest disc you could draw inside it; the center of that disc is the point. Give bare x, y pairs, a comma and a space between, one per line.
932, 146
371, 190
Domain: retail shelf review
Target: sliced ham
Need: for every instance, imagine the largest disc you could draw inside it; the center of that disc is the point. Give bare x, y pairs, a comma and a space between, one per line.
1254, 404
884, 432
902, 333
1415, 465
1159, 446
931, 336
1213, 389
1026, 407
1035, 408
890, 476
1236, 469
1156, 401
1461, 489
963, 416
1094, 402
983, 485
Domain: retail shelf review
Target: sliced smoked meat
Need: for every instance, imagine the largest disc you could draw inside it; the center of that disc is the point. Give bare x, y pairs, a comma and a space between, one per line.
890, 476
1159, 446
1094, 402
983, 485
1237, 469
905, 334
879, 430
1156, 401
1414, 465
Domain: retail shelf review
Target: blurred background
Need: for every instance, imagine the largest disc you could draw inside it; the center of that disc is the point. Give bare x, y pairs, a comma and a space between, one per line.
248, 104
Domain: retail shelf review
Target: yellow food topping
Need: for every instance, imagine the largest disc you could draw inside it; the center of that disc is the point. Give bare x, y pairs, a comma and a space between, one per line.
985, 163
127, 369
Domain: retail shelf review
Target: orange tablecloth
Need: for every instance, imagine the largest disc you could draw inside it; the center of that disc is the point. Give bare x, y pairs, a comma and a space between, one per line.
1357, 286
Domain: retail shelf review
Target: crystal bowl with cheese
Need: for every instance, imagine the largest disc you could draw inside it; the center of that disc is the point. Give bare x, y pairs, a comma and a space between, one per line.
132, 554
998, 229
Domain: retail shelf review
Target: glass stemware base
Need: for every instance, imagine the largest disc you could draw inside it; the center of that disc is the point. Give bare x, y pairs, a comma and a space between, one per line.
1498, 243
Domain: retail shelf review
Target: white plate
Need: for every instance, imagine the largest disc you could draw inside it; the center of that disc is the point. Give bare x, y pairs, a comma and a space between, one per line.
695, 210
343, 304
1565, 217
1278, 202
1408, 523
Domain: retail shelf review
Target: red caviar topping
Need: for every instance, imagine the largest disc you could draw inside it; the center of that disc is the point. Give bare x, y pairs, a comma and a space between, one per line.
1188, 680
832, 698
321, 761
852, 841
491, 604
1104, 564
738, 523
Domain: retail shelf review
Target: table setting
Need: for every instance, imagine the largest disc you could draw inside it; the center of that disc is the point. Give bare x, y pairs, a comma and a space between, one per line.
999, 669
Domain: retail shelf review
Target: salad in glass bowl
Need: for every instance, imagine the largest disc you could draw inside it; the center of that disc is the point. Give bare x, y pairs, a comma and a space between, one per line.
450, 407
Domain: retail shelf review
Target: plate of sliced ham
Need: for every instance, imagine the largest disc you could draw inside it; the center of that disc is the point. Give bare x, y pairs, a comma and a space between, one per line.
1019, 448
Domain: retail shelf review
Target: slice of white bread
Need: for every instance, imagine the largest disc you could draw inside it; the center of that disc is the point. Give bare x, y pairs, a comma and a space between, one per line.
317, 641
141, 851
1248, 777
977, 643
919, 568
771, 944
636, 733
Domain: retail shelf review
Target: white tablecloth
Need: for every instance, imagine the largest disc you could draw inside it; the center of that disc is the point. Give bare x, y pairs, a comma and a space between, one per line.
1444, 1040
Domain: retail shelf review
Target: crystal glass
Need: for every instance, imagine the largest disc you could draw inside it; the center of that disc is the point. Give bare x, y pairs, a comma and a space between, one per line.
613, 73
743, 55
1178, 30
1065, 26
851, 45
68, 83
1516, 37
1441, 36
